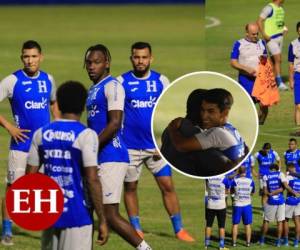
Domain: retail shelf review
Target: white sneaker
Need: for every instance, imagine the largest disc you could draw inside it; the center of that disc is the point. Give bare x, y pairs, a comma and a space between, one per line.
283, 87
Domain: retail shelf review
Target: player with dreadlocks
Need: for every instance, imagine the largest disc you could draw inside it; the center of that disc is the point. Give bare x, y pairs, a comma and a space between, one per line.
105, 104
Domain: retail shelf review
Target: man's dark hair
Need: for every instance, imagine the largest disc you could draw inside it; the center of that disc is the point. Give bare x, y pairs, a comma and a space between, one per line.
71, 97
267, 146
98, 47
31, 44
293, 139
141, 45
242, 170
219, 96
274, 167
193, 105
298, 26
290, 165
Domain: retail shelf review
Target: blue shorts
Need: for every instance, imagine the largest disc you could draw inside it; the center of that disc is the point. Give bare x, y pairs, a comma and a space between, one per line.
297, 88
247, 83
244, 212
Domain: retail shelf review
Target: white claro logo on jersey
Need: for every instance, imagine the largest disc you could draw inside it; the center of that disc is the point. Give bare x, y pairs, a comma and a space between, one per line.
50, 135
144, 104
36, 105
93, 111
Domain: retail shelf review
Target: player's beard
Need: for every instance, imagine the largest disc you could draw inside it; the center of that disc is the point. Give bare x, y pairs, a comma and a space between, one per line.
141, 72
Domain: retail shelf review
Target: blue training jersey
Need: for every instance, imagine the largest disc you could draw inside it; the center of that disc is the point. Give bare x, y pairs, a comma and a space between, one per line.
63, 161
265, 161
248, 164
30, 99
294, 183
104, 96
141, 95
293, 157
273, 181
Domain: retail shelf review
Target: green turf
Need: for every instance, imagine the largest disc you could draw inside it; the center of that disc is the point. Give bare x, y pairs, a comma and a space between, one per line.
176, 34
234, 14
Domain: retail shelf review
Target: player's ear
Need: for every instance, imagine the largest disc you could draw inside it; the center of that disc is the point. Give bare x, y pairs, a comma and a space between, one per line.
41, 57
151, 59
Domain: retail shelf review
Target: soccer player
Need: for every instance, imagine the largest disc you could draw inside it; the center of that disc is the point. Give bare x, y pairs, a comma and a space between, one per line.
30, 92
292, 206
203, 163
242, 187
249, 164
274, 210
292, 155
74, 228
271, 26
294, 73
142, 87
216, 189
218, 134
105, 104
245, 56
265, 158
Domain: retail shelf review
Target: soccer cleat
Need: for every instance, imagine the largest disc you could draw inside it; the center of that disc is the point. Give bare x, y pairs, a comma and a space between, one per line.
7, 240
184, 236
223, 248
234, 244
296, 243
248, 244
140, 233
278, 243
261, 242
282, 87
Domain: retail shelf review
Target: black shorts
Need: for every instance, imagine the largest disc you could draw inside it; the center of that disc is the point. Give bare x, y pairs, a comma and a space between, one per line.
210, 215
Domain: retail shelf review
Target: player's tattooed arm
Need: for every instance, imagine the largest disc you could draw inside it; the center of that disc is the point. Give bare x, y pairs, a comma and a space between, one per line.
181, 143
16, 133
114, 124
95, 192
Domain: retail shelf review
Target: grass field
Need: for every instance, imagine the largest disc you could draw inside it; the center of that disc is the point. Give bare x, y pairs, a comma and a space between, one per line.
233, 15
176, 34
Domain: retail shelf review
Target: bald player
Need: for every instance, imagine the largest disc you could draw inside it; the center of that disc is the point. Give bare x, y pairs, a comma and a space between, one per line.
245, 56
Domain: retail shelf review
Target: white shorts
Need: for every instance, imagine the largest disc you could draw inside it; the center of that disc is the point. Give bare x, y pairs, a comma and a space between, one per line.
274, 212
275, 45
75, 238
17, 161
138, 158
291, 211
112, 175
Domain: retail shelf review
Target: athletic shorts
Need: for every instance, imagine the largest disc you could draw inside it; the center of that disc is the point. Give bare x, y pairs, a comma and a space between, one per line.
275, 45
247, 83
210, 215
297, 88
75, 238
112, 175
244, 212
274, 212
17, 161
138, 158
291, 211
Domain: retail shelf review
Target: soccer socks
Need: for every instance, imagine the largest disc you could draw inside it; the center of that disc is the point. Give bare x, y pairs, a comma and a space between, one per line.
262, 240
285, 241
135, 222
278, 80
222, 243
143, 246
207, 241
176, 222
7, 227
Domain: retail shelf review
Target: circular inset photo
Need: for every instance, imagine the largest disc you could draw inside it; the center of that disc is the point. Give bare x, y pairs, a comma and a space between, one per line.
205, 124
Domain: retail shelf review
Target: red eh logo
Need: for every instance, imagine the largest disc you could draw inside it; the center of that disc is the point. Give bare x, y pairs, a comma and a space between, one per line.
34, 202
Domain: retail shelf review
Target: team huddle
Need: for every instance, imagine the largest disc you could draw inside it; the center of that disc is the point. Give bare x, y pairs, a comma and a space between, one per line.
239, 185
90, 163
